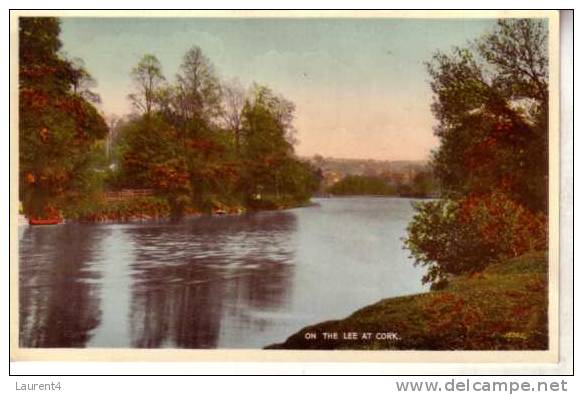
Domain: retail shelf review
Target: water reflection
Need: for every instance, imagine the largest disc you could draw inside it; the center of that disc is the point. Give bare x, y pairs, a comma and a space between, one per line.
211, 282
187, 277
58, 288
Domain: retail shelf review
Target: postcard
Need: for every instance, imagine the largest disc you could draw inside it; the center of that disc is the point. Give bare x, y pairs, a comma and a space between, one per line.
285, 186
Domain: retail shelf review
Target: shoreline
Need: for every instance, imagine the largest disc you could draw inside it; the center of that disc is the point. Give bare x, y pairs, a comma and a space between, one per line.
502, 308
377, 197
144, 218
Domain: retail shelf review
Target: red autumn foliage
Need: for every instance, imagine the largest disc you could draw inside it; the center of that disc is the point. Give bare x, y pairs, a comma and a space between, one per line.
504, 223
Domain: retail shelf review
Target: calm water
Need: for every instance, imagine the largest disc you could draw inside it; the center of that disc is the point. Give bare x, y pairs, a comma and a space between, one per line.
211, 282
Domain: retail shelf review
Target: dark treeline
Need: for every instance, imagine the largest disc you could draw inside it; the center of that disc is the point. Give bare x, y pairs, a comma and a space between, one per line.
421, 186
203, 144
198, 143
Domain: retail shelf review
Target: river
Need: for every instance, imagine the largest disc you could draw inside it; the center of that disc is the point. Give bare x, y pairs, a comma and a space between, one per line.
242, 281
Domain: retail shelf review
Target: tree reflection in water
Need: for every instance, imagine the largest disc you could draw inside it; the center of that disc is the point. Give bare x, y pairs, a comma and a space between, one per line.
188, 278
59, 302
211, 282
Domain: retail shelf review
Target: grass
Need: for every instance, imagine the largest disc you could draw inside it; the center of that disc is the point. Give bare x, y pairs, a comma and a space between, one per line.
146, 207
502, 308
156, 207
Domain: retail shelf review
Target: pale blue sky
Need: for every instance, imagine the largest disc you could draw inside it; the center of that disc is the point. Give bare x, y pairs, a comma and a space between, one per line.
359, 85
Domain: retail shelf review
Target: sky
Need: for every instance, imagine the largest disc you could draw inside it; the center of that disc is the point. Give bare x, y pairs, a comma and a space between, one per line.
360, 86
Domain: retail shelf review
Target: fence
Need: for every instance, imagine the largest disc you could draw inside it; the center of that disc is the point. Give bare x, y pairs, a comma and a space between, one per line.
127, 194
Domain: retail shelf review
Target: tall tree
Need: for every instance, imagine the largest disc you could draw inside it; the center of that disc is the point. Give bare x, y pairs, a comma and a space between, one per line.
152, 156
83, 82
148, 80
233, 102
198, 88
266, 126
59, 129
491, 101
205, 145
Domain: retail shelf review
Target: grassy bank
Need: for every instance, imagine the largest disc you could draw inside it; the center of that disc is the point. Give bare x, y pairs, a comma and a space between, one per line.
154, 207
138, 208
502, 308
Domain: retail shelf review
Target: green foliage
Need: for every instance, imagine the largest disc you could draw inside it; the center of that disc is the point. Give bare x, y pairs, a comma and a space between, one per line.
180, 142
125, 210
361, 185
421, 186
439, 240
300, 179
59, 129
148, 79
153, 157
198, 90
465, 235
424, 185
191, 153
266, 149
491, 101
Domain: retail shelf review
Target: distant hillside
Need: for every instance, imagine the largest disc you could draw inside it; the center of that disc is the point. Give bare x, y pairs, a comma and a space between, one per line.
395, 172
371, 167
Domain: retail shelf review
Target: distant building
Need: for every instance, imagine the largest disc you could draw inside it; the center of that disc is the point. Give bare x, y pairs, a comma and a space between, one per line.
331, 177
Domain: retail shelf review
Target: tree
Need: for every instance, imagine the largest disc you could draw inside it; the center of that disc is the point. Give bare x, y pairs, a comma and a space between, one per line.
153, 157
361, 185
83, 82
267, 149
59, 129
198, 91
233, 102
423, 184
205, 146
264, 135
491, 103
465, 235
148, 80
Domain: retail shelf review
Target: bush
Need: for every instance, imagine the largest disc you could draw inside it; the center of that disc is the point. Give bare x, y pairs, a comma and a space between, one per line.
124, 210
440, 285
504, 223
465, 235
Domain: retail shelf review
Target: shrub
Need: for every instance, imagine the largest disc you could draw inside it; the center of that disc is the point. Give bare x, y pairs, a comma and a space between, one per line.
124, 210
465, 235
504, 223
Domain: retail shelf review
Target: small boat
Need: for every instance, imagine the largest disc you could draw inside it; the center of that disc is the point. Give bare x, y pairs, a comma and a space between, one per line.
44, 221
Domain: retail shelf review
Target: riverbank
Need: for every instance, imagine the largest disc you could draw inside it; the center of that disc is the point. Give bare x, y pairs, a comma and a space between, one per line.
502, 308
210, 281
157, 208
